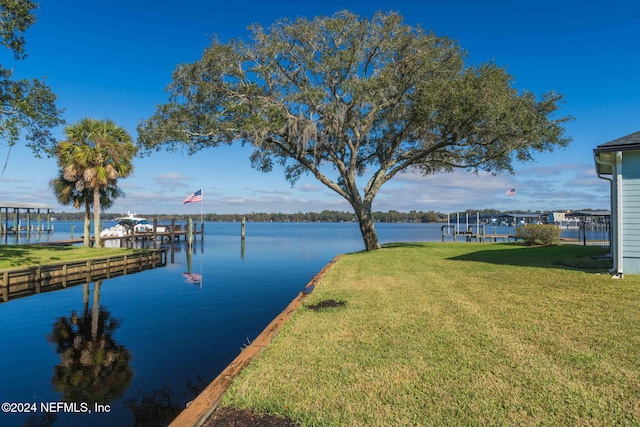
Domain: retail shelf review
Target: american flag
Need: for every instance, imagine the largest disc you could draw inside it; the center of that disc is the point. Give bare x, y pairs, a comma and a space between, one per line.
193, 278
193, 198
511, 192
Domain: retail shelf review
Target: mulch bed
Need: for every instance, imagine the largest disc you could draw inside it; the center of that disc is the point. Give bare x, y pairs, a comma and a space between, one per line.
229, 417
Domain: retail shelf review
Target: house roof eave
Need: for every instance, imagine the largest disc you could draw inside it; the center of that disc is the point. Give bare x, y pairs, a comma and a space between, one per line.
629, 142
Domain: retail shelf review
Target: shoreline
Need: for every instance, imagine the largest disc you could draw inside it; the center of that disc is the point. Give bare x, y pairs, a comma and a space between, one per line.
200, 409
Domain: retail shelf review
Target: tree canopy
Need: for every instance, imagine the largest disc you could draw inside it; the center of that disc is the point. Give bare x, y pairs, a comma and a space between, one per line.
27, 107
346, 98
94, 156
75, 192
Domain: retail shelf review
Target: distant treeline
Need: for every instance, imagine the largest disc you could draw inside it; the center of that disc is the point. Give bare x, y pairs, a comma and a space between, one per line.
324, 216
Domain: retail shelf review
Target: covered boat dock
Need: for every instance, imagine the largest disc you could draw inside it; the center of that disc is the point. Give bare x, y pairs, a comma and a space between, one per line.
22, 218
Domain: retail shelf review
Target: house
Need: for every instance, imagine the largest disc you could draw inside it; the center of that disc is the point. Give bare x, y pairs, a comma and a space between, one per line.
618, 161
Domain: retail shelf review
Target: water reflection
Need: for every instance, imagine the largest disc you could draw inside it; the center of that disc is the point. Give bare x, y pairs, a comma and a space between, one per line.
41, 420
193, 278
161, 406
208, 324
190, 276
157, 407
93, 367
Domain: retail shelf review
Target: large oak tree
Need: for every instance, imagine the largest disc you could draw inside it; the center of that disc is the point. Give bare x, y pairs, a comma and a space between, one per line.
351, 99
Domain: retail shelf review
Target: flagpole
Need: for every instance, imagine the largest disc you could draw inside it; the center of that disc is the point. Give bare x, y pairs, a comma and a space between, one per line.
515, 214
202, 231
512, 192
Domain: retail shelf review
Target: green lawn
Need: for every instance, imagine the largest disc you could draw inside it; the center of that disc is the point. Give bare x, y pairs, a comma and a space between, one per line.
456, 334
16, 256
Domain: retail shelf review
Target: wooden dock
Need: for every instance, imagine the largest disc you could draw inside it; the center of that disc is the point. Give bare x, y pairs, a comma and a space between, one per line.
20, 282
174, 233
24, 230
478, 236
475, 237
66, 242
126, 241
130, 239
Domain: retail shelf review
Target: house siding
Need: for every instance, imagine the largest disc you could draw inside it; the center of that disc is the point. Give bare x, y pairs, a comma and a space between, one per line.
631, 212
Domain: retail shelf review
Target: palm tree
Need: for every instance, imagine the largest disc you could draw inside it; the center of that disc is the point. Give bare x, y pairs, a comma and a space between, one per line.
68, 193
95, 154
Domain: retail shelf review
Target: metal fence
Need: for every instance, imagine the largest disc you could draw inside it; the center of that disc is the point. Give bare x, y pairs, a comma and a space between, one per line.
587, 233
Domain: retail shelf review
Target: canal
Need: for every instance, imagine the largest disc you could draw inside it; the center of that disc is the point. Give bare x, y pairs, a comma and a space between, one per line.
134, 349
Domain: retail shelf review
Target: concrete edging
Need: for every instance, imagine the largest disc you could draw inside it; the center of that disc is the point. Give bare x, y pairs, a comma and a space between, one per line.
199, 409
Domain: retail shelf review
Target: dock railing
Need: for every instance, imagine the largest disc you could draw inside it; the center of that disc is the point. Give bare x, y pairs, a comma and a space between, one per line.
18, 282
480, 234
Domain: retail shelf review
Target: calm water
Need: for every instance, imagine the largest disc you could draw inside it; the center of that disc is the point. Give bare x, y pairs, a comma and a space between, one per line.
160, 339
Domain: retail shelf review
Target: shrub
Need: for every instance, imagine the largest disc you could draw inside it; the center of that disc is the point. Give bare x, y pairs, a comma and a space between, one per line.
542, 234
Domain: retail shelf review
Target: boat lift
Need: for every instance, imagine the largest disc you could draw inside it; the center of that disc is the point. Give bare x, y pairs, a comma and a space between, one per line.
16, 224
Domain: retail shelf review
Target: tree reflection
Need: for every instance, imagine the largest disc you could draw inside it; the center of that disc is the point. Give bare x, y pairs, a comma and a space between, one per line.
159, 407
93, 368
46, 419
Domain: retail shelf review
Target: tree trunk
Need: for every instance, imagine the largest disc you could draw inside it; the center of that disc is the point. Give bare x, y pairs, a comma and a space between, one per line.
86, 233
95, 313
367, 228
369, 234
96, 218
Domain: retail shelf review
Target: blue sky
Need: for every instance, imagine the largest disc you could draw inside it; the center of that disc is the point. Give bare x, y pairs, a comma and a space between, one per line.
113, 59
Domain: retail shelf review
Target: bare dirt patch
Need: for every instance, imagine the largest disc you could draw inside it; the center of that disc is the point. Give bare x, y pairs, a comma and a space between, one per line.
229, 417
326, 304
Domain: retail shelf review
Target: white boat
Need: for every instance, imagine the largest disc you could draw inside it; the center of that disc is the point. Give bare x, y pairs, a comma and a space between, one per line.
130, 224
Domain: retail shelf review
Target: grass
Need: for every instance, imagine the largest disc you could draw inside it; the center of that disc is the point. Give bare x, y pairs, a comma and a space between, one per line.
456, 334
16, 256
